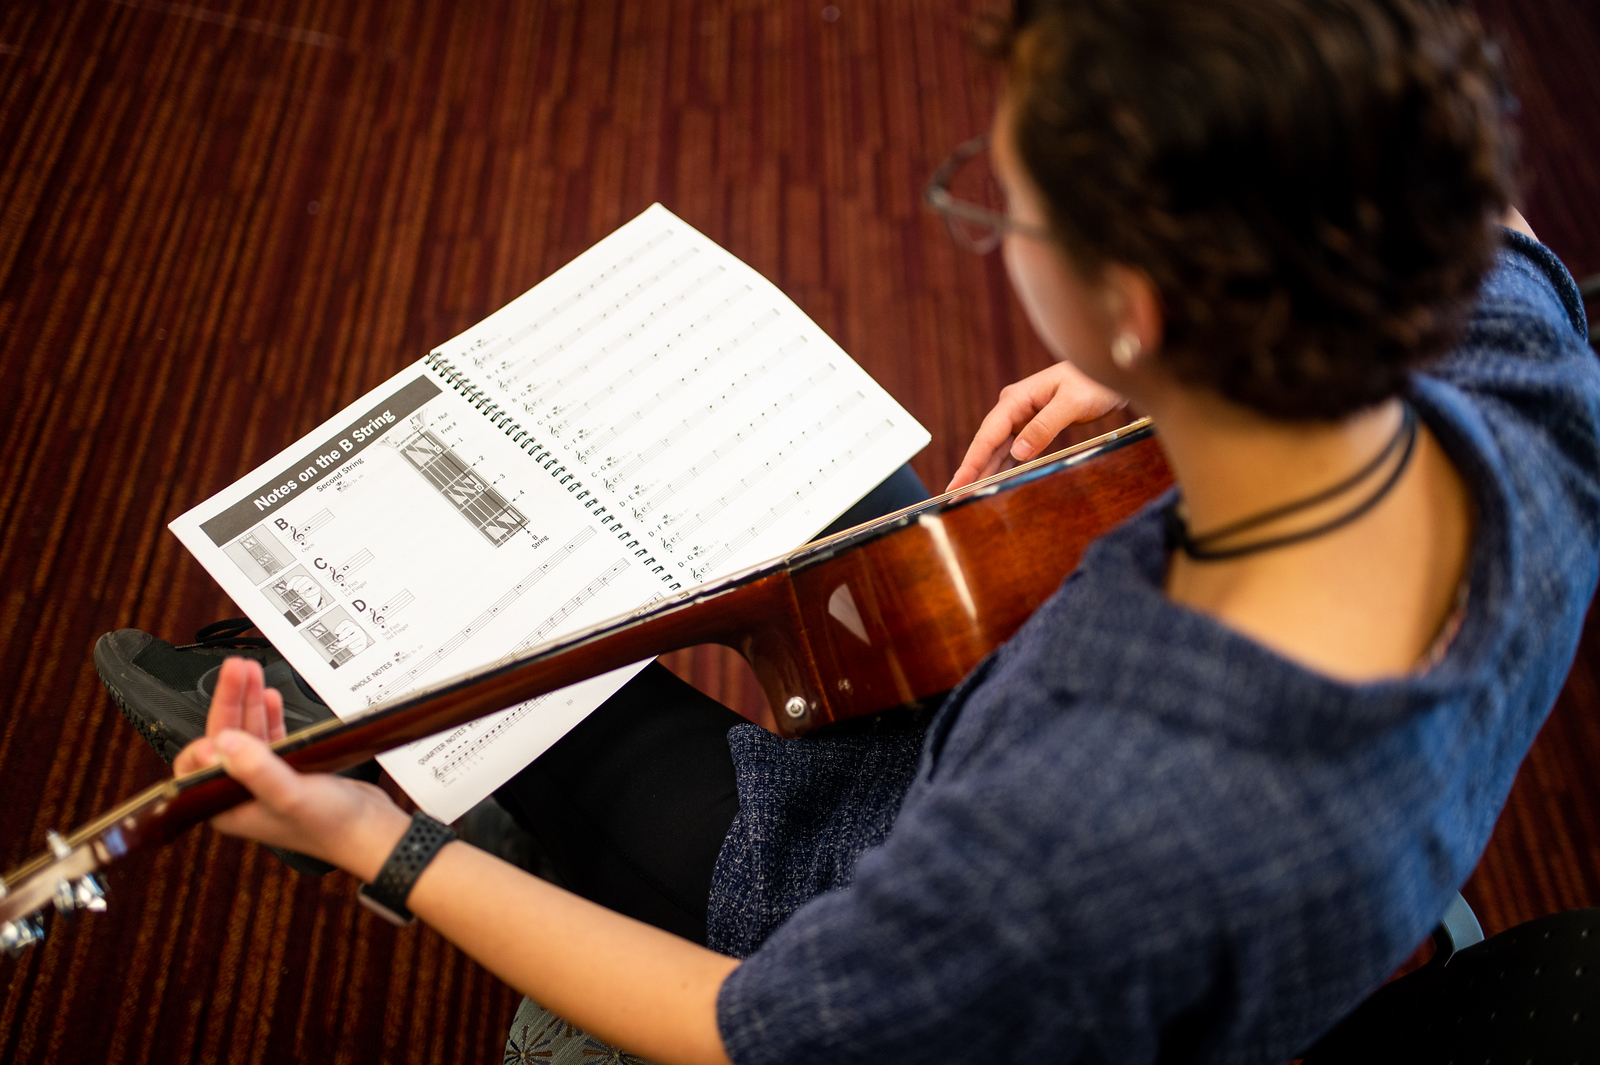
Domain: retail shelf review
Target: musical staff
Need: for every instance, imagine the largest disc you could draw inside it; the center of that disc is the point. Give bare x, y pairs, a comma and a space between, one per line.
645, 363
477, 624
532, 363
740, 384
806, 488
488, 349
756, 475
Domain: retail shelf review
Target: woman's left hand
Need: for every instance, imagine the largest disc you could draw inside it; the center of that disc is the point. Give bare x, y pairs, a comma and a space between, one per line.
349, 823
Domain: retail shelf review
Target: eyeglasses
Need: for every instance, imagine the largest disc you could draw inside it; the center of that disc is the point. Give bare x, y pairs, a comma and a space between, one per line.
972, 203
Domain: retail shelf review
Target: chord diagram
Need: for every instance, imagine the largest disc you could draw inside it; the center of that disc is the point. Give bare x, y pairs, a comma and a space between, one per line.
258, 554
474, 498
296, 595
336, 637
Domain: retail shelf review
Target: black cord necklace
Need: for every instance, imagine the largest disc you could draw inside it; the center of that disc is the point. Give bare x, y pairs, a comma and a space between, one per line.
1177, 528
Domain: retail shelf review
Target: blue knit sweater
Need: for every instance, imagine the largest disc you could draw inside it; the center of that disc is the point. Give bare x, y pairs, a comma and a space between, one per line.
1134, 835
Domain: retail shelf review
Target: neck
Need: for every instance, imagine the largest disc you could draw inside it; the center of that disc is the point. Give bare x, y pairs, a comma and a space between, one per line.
1232, 463
1365, 600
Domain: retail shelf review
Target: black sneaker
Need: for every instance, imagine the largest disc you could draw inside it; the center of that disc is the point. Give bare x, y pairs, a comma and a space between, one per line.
165, 691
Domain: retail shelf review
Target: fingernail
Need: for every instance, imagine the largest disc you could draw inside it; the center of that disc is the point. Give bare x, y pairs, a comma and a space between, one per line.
1022, 450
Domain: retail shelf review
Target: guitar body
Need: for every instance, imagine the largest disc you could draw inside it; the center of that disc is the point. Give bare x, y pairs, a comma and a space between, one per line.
891, 618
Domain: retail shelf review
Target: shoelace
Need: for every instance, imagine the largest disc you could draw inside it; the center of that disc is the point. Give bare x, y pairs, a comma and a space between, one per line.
227, 633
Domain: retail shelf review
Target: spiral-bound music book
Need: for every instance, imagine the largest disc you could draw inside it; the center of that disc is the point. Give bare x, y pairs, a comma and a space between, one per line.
650, 417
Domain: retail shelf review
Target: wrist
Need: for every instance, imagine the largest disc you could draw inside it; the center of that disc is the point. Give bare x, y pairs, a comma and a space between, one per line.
388, 893
371, 838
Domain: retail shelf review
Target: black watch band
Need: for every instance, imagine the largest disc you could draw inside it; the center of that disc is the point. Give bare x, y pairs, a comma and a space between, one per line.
386, 895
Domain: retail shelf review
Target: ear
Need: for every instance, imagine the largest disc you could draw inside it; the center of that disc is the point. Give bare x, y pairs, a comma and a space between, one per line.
1134, 305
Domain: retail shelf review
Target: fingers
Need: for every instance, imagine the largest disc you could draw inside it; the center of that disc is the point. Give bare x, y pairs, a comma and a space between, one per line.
269, 778
254, 710
198, 755
1028, 415
988, 449
1060, 410
347, 822
227, 699
275, 726
242, 700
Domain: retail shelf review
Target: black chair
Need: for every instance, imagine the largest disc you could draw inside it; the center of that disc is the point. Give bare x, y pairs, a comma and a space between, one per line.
1528, 995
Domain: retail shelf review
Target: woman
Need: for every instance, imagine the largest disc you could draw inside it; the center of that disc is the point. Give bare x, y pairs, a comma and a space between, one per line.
1229, 775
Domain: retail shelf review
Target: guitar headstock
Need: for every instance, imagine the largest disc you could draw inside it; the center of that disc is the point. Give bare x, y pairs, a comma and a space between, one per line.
63, 879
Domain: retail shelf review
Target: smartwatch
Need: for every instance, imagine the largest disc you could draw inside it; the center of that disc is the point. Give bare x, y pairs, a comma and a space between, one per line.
386, 895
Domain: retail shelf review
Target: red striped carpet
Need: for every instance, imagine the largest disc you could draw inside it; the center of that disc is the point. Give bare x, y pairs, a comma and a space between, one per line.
221, 221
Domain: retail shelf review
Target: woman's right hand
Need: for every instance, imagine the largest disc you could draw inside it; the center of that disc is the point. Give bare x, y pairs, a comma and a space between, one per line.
1028, 416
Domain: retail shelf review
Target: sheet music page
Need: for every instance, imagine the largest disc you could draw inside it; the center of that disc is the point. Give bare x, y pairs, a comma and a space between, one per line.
651, 416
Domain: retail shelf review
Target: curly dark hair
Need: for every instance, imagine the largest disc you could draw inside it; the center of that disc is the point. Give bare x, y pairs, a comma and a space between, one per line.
1312, 185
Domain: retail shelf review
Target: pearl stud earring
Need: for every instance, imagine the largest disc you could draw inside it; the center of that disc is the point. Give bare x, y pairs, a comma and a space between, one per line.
1125, 351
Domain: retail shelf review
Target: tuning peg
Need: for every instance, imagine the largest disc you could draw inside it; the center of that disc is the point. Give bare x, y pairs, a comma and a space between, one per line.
90, 894
64, 899
85, 893
17, 936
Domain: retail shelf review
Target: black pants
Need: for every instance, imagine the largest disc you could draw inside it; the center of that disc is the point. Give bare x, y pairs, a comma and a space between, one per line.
631, 807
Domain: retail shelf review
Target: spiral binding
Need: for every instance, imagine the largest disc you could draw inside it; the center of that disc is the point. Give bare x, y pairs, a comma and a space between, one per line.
505, 421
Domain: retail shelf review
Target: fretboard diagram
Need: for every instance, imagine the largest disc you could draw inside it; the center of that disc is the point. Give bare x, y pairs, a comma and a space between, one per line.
258, 554
474, 498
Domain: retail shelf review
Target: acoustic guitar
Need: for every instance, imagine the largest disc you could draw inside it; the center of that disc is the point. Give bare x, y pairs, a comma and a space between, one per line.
882, 615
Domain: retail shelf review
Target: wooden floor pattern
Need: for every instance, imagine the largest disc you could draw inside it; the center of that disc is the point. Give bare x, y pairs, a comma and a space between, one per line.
221, 221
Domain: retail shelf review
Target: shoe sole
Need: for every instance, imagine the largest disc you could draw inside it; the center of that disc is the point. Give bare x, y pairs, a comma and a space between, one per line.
129, 686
